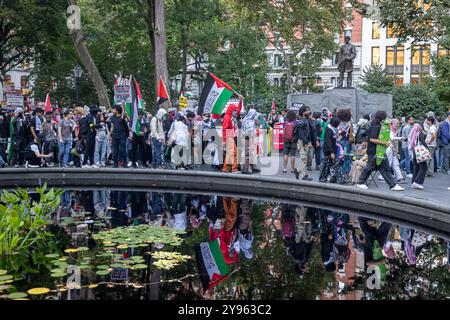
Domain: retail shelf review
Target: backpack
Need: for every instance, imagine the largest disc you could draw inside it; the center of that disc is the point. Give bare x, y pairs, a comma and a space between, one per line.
84, 127
360, 135
289, 131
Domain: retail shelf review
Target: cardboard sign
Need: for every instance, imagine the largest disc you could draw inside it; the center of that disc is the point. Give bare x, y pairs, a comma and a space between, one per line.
122, 93
14, 99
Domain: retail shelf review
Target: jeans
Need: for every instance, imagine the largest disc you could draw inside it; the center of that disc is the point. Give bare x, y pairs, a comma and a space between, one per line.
406, 162
157, 152
445, 157
119, 152
90, 148
100, 153
63, 154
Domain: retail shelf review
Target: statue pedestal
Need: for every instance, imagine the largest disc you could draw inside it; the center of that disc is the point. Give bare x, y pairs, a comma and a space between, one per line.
359, 101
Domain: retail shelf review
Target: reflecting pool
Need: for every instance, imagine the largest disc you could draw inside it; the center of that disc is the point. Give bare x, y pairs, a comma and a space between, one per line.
113, 244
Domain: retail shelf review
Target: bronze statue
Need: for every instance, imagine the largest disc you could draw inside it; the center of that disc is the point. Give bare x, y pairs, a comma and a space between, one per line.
347, 54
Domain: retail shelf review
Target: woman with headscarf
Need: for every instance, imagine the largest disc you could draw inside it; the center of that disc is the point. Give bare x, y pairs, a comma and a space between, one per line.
181, 151
249, 135
417, 137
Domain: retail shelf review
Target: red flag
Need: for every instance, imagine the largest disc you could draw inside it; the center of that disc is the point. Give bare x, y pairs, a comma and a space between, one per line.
48, 105
163, 96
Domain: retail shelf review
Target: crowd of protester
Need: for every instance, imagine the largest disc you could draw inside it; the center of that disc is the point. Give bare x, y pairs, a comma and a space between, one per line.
342, 150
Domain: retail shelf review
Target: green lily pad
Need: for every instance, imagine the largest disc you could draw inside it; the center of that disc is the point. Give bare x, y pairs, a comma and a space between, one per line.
140, 266
52, 255
6, 277
58, 270
103, 267
58, 274
136, 258
84, 267
122, 246
83, 249
118, 265
102, 272
3, 272
17, 295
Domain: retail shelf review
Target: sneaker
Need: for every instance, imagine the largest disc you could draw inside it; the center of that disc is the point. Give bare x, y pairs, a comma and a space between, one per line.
362, 186
94, 166
409, 176
284, 171
85, 166
401, 181
397, 188
417, 186
130, 163
306, 178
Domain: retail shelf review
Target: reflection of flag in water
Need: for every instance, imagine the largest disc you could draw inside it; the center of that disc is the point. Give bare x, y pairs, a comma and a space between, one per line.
211, 264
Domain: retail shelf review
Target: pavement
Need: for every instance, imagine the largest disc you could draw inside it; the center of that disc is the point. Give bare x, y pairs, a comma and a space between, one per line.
435, 187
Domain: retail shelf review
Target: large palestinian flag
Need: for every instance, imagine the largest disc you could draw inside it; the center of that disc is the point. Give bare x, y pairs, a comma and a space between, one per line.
211, 264
133, 107
215, 96
163, 96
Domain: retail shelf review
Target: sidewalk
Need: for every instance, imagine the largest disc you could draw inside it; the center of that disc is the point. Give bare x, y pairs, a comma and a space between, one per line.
436, 187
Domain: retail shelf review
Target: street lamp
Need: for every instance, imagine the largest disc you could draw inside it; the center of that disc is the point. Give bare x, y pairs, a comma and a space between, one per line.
77, 72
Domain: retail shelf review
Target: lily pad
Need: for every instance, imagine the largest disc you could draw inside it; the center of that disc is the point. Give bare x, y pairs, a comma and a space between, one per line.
38, 291
3, 272
52, 255
102, 272
122, 246
71, 250
6, 277
140, 266
16, 295
58, 274
58, 270
103, 267
83, 249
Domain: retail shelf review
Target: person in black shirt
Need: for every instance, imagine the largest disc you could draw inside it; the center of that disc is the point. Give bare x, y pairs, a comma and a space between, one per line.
384, 168
305, 136
118, 134
138, 142
36, 125
91, 120
330, 151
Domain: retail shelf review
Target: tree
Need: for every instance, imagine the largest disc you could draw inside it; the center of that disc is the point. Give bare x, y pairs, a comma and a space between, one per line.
441, 82
292, 28
419, 21
28, 30
85, 57
415, 100
375, 80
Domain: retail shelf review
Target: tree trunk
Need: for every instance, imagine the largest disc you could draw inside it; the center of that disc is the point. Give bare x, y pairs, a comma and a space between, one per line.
160, 44
288, 73
89, 64
184, 60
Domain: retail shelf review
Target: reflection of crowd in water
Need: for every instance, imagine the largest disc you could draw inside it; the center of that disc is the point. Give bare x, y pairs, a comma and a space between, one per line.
228, 219
340, 235
337, 236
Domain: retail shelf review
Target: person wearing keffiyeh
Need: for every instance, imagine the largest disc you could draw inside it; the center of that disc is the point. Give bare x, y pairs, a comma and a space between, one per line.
330, 151
417, 137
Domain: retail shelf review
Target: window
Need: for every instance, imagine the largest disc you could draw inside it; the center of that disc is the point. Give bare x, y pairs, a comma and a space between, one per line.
390, 31
277, 61
335, 58
7, 78
442, 52
395, 59
24, 82
375, 30
420, 63
276, 81
376, 56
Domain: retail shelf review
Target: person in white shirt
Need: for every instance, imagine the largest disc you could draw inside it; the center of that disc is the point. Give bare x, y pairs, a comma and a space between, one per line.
431, 142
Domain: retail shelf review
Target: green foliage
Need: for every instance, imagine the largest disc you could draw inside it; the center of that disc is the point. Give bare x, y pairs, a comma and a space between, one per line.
375, 80
29, 30
24, 239
415, 100
441, 83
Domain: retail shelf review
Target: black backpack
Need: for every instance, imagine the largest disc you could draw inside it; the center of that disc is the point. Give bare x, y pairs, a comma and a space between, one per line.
360, 135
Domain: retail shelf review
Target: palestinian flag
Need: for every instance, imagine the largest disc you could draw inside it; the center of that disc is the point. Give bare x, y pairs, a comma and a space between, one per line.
215, 96
211, 264
133, 107
163, 96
